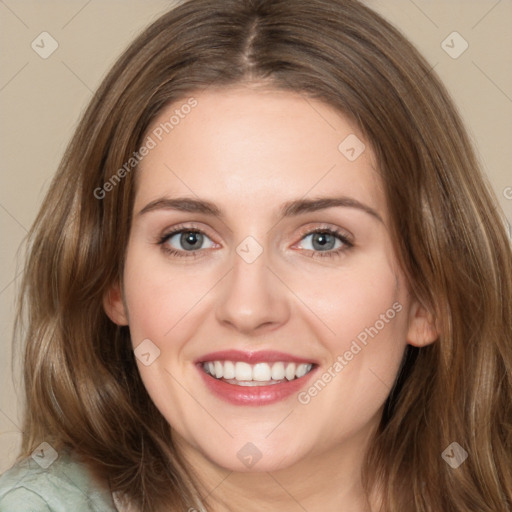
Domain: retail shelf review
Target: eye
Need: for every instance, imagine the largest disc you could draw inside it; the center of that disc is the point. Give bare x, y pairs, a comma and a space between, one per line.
325, 242
182, 241
322, 242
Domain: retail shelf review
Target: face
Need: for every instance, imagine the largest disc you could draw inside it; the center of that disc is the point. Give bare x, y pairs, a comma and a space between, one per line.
265, 304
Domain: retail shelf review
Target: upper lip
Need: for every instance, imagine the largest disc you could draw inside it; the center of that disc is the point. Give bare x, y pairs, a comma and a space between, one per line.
263, 356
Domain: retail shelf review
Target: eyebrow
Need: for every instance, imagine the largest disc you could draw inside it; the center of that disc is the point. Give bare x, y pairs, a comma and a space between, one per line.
289, 209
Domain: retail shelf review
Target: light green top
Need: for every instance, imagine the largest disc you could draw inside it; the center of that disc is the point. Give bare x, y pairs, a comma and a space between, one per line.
64, 485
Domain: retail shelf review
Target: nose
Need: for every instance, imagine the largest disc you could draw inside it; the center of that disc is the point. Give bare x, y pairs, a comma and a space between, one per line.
253, 300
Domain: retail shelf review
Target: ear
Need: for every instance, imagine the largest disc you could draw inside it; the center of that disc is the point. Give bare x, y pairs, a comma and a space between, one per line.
422, 326
114, 306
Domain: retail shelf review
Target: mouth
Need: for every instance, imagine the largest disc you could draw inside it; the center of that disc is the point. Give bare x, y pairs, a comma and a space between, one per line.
239, 373
262, 378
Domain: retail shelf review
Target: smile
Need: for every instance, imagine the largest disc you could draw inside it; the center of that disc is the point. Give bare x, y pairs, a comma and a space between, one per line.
240, 373
254, 378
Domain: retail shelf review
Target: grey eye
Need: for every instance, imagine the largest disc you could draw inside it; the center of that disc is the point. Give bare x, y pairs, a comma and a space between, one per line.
188, 240
321, 241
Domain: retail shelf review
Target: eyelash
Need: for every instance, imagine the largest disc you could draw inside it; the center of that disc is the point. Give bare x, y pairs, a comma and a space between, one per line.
333, 253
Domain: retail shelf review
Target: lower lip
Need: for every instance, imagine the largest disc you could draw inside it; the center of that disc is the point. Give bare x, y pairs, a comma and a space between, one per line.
253, 395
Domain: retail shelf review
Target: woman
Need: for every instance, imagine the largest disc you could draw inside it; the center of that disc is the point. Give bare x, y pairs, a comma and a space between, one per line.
269, 274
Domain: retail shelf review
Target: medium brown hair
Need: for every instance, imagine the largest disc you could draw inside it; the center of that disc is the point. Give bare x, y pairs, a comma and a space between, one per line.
82, 386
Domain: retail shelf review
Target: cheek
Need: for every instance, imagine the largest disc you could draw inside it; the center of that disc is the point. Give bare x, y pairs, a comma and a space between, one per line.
354, 298
365, 309
158, 302
159, 299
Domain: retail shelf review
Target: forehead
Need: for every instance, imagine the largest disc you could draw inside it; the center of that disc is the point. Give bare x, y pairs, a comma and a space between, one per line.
256, 147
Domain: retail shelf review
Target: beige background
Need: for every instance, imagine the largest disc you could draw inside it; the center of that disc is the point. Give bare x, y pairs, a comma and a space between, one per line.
41, 100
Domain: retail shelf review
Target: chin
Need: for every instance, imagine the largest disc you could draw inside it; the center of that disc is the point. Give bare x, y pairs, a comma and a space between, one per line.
249, 457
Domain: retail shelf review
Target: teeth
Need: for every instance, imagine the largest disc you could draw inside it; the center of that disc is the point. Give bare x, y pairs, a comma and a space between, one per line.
243, 371
259, 372
290, 371
229, 370
301, 370
278, 371
219, 369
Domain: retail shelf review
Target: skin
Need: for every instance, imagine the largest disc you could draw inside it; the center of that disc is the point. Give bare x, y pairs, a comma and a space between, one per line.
249, 150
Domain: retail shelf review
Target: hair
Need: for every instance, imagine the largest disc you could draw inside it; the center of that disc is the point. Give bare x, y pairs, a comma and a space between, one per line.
82, 387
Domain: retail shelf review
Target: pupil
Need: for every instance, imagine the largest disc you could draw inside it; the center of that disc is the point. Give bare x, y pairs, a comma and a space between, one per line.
323, 241
191, 240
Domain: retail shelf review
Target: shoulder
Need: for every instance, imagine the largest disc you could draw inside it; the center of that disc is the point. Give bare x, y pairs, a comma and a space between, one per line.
29, 486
